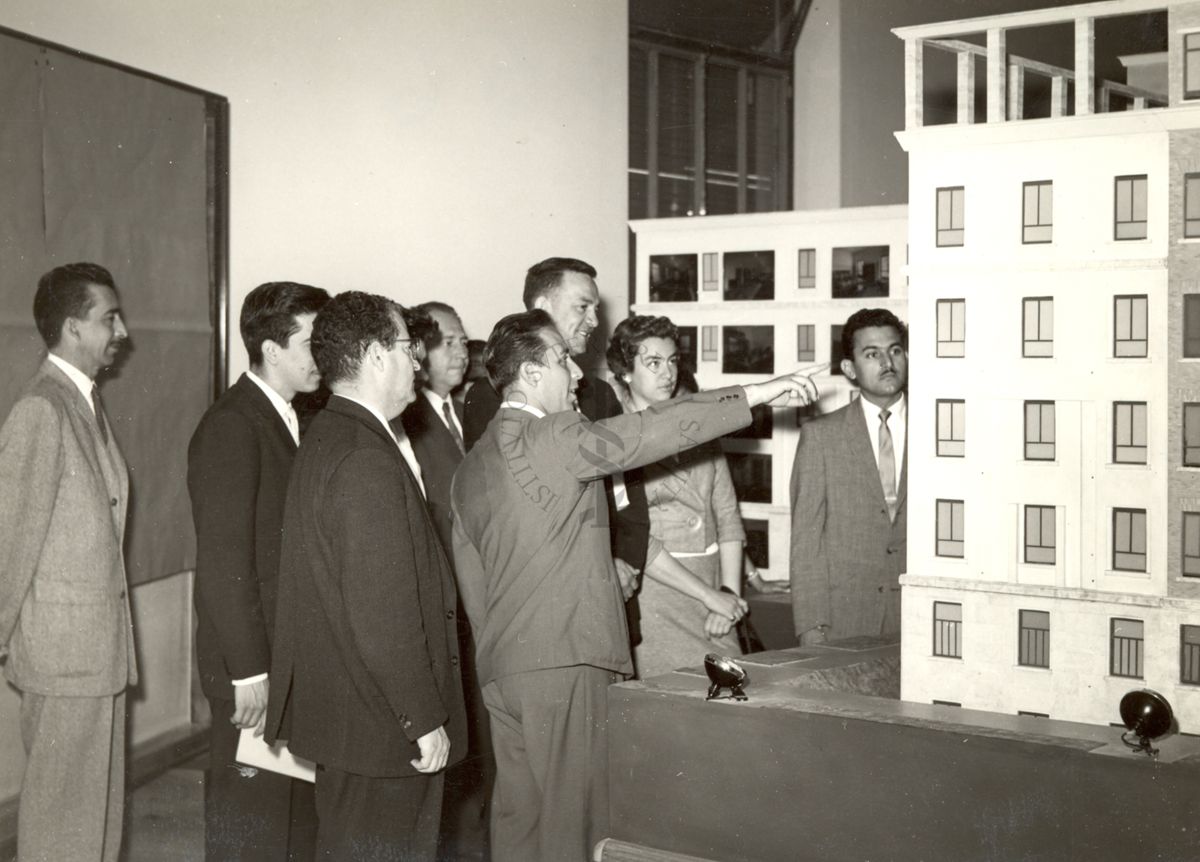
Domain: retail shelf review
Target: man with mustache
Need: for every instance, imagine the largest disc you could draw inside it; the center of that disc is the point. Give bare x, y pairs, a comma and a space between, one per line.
849, 491
565, 288
538, 584
66, 638
239, 461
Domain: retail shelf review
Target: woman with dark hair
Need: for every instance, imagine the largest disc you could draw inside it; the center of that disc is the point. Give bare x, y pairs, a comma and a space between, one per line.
693, 512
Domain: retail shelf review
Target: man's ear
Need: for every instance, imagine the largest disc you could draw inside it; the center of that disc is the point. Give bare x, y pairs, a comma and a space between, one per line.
848, 369
542, 302
270, 352
530, 374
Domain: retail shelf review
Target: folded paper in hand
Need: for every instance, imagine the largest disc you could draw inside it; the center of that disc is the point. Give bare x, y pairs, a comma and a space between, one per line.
253, 751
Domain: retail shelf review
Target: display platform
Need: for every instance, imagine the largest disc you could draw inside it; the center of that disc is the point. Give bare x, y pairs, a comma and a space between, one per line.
810, 767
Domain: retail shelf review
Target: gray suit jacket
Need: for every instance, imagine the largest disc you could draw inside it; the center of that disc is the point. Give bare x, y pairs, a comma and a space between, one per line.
531, 537
847, 555
64, 612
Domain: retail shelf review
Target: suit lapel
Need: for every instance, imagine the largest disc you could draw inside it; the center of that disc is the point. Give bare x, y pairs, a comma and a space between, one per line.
266, 411
859, 442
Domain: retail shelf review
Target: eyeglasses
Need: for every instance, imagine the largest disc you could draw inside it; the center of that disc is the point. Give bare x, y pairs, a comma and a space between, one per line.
412, 347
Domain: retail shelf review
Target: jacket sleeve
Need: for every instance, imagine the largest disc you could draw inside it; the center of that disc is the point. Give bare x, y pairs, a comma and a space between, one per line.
724, 501
366, 516
594, 449
809, 563
30, 460
223, 477
472, 580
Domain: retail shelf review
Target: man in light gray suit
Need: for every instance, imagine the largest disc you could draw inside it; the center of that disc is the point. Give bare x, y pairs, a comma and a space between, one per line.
65, 633
849, 488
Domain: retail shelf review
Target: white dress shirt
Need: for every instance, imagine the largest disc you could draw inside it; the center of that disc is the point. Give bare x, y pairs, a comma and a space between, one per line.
82, 382
284, 408
437, 401
401, 440
897, 425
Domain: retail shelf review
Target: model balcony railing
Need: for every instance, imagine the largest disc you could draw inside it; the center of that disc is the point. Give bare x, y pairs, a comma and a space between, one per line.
1008, 75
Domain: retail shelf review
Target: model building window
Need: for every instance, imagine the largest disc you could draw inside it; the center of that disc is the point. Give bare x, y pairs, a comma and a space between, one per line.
687, 347
762, 425
1039, 430
750, 275
1129, 207
1191, 435
950, 517
950, 203
1037, 327
808, 268
835, 349
1129, 540
860, 272
806, 342
1189, 654
1039, 534
1033, 639
1191, 65
1191, 325
1037, 222
951, 328
711, 271
1129, 432
758, 542
951, 428
1191, 205
1191, 545
947, 629
1125, 652
1129, 326
673, 278
748, 350
751, 474
708, 344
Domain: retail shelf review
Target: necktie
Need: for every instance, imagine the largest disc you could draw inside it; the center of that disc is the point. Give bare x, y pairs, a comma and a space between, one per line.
887, 465
99, 408
458, 440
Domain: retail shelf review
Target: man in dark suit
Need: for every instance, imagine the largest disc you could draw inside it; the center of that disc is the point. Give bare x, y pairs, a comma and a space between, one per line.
849, 490
365, 669
66, 638
538, 583
433, 423
565, 288
239, 461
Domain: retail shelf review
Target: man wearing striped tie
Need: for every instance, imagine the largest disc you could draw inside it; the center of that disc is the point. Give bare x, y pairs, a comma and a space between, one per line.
848, 493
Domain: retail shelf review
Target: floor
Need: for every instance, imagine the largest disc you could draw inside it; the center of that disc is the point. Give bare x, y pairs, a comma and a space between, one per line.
166, 820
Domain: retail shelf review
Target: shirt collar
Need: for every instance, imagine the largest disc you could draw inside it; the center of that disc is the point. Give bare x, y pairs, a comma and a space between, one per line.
281, 406
899, 410
528, 408
436, 400
82, 382
373, 412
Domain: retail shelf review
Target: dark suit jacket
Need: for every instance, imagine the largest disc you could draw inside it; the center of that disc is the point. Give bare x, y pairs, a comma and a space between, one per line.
532, 558
366, 655
847, 554
438, 455
630, 526
239, 461
64, 609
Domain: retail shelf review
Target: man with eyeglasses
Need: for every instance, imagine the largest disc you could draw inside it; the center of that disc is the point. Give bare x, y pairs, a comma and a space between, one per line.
365, 670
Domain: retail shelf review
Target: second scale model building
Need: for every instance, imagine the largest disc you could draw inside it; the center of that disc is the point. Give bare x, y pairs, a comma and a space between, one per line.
1048, 263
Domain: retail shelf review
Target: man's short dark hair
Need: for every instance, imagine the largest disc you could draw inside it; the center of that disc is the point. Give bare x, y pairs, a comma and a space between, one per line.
627, 341
62, 293
515, 340
270, 311
347, 325
544, 277
433, 337
867, 317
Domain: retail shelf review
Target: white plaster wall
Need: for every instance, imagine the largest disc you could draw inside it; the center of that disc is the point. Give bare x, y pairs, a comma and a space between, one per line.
785, 234
422, 149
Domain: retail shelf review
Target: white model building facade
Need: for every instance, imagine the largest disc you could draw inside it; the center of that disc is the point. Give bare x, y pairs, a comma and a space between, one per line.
763, 294
1054, 426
